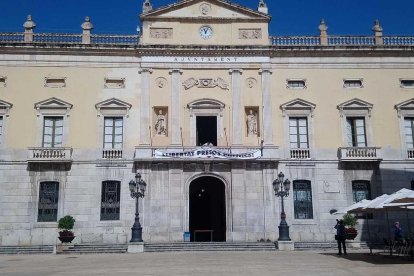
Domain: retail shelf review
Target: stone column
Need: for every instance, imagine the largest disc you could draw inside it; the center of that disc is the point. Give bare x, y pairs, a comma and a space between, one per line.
267, 107
323, 34
145, 106
175, 107
29, 25
86, 33
377, 29
236, 105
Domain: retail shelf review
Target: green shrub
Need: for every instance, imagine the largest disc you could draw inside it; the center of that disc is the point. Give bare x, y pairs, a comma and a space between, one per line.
66, 223
350, 220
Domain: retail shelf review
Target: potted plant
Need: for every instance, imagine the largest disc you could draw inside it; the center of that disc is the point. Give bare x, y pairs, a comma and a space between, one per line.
350, 231
66, 225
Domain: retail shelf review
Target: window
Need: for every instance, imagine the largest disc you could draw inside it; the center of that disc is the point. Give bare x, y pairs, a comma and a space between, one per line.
409, 132
361, 190
298, 131
412, 184
55, 82
296, 84
302, 199
407, 83
353, 83
110, 200
355, 130
52, 132
113, 132
114, 82
48, 201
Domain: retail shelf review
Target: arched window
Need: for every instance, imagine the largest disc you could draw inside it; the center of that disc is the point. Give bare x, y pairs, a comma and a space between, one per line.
110, 200
48, 201
302, 199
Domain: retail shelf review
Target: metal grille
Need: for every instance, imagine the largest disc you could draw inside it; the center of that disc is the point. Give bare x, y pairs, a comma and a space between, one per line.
302, 199
48, 201
361, 190
110, 201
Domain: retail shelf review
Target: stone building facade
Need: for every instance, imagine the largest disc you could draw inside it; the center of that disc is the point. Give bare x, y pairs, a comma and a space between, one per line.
208, 109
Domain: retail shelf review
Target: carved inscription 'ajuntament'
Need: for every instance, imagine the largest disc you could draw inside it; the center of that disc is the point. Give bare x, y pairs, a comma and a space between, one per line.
161, 32
250, 33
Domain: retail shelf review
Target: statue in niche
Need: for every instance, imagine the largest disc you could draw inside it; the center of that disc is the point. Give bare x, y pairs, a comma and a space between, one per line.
161, 124
251, 123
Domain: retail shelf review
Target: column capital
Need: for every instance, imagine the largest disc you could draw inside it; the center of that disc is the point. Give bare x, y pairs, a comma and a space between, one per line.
145, 70
175, 70
231, 71
265, 70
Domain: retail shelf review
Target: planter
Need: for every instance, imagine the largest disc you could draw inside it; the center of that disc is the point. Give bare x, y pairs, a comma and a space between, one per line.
66, 239
350, 233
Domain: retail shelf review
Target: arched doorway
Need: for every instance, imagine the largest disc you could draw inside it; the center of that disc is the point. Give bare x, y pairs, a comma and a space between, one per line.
207, 210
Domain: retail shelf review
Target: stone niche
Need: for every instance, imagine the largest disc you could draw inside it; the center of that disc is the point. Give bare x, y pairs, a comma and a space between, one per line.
160, 121
252, 122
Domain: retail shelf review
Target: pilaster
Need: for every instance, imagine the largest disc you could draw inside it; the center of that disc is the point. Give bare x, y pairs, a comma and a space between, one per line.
236, 106
145, 106
267, 107
175, 107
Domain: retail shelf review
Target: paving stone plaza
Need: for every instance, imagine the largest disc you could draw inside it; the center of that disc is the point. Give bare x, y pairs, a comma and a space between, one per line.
207, 263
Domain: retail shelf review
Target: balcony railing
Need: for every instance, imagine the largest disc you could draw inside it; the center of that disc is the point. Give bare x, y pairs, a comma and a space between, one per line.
50, 155
112, 154
360, 154
300, 154
63, 38
410, 153
334, 40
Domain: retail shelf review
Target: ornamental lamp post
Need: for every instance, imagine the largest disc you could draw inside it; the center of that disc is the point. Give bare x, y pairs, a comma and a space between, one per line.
137, 189
282, 188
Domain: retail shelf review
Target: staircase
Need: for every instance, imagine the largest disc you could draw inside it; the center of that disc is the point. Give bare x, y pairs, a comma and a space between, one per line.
37, 249
209, 246
315, 245
95, 249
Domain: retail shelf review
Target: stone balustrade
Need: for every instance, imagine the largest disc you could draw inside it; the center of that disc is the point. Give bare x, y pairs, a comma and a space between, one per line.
360, 154
410, 153
112, 154
50, 155
300, 154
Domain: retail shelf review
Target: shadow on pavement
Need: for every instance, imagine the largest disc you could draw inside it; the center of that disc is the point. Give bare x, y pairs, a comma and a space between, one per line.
377, 259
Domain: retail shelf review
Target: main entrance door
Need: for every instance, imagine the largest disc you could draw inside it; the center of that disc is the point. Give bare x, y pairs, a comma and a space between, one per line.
207, 210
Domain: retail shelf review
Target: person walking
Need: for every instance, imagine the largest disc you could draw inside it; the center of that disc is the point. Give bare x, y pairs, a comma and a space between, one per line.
398, 236
340, 236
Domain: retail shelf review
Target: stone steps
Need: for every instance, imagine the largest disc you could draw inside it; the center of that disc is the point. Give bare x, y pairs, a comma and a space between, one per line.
208, 246
37, 249
95, 249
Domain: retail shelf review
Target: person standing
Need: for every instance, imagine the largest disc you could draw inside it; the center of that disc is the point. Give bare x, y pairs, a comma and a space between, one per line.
340, 236
398, 237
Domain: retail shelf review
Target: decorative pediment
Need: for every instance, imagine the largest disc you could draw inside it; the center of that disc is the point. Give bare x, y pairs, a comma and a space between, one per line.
53, 106
297, 105
206, 104
355, 107
210, 9
355, 104
5, 107
113, 106
405, 107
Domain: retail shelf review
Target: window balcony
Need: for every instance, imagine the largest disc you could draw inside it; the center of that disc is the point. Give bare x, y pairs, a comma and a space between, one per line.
50, 155
112, 154
300, 154
360, 154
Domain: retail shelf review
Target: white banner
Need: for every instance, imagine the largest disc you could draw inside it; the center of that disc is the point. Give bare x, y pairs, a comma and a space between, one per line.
207, 153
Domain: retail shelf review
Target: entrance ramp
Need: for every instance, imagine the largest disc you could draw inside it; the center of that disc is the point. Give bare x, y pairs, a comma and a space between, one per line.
209, 246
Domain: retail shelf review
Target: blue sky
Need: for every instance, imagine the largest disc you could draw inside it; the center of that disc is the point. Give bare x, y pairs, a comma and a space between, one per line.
293, 17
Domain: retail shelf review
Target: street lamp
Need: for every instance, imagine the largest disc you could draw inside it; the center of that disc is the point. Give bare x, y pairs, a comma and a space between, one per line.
281, 188
137, 189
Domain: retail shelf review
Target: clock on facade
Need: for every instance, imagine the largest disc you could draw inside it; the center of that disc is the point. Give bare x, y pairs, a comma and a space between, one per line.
206, 32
